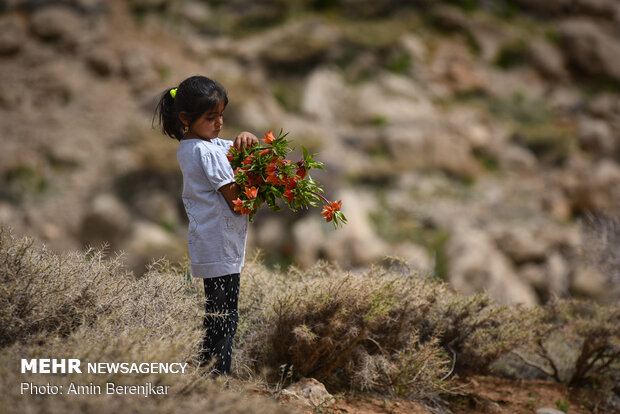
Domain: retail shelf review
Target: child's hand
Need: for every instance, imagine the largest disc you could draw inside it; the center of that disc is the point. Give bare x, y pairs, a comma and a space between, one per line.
245, 140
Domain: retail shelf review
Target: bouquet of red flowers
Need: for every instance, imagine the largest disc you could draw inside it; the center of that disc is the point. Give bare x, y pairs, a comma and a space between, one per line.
265, 175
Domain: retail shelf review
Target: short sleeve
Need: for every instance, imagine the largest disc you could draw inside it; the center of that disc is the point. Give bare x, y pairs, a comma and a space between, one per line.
217, 167
223, 143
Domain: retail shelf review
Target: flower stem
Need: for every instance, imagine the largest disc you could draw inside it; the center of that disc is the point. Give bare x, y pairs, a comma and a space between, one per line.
320, 195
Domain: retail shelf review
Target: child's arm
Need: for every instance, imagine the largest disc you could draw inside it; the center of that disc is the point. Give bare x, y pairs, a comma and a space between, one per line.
230, 192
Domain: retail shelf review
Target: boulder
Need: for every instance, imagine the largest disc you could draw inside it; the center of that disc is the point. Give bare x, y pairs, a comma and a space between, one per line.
605, 105
300, 45
535, 275
597, 187
546, 7
104, 61
415, 256
309, 237
138, 66
608, 9
58, 22
12, 36
557, 270
310, 392
596, 135
107, 220
429, 145
146, 4
589, 47
520, 244
547, 410
149, 242
392, 100
270, 234
195, 12
549, 60
476, 265
325, 95
517, 158
355, 243
157, 206
588, 282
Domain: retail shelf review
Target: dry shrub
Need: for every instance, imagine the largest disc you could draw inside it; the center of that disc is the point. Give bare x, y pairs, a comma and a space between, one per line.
52, 294
80, 305
601, 233
577, 343
387, 331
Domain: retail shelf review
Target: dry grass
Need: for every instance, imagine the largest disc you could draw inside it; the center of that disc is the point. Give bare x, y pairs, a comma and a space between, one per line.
385, 331
80, 305
388, 331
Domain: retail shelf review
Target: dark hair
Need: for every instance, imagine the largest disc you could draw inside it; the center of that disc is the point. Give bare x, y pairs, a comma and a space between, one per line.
194, 96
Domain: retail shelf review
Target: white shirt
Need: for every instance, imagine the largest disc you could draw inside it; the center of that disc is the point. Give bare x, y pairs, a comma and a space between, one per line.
216, 235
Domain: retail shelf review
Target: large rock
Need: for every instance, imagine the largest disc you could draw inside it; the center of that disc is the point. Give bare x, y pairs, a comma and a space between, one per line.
138, 66
596, 135
310, 392
107, 221
300, 45
476, 265
594, 187
548, 6
520, 244
60, 23
587, 281
355, 243
549, 60
590, 48
309, 240
157, 206
149, 242
609, 9
12, 35
548, 410
429, 145
326, 95
517, 158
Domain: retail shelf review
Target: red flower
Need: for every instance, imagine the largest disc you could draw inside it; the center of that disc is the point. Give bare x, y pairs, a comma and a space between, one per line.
268, 138
328, 211
249, 160
291, 183
301, 169
240, 207
251, 192
265, 152
273, 173
289, 195
254, 179
230, 157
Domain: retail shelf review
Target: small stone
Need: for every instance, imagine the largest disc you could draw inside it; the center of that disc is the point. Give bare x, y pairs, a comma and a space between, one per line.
547, 410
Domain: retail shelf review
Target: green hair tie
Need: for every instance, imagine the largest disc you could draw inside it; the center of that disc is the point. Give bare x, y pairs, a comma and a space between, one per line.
173, 93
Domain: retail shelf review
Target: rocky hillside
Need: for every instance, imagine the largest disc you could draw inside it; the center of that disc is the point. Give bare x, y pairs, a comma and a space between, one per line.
468, 137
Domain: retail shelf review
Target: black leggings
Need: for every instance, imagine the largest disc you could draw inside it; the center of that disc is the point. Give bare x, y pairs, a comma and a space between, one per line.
220, 321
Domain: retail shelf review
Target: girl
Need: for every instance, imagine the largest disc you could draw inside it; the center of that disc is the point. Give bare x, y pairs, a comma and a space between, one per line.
193, 114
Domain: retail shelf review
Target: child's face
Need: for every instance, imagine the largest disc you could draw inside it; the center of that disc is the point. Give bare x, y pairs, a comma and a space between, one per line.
209, 124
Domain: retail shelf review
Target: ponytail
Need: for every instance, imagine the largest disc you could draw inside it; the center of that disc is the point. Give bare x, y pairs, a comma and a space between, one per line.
167, 115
